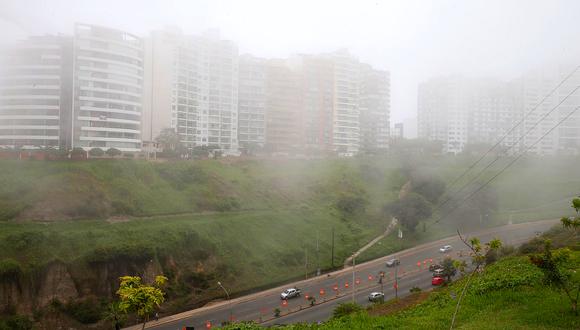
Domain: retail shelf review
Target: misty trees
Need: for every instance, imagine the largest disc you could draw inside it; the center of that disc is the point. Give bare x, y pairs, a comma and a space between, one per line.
140, 298
430, 188
96, 152
410, 210
170, 142
113, 152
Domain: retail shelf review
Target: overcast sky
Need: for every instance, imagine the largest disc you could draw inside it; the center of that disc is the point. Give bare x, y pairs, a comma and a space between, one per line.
414, 40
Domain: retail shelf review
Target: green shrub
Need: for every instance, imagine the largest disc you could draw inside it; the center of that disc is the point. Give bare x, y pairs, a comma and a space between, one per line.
87, 311
508, 273
96, 152
415, 289
125, 252
16, 322
228, 204
346, 309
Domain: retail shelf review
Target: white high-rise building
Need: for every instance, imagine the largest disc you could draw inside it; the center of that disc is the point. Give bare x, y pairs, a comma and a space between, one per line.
252, 102
375, 95
35, 93
534, 87
192, 88
458, 111
346, 119
108, 89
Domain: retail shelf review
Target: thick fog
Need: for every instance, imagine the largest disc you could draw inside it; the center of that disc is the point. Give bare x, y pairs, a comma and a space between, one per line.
414, 40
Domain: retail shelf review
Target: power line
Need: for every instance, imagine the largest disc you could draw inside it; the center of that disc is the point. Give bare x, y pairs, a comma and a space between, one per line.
510, 147
509, 164
513, 128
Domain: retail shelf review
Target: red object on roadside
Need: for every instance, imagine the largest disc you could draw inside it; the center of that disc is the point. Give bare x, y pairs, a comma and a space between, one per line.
335, 288
306, 297
437, 280
346, 284
395, 285
207, 324
419, 264
357, 281
322, 292
284, 303
370, 277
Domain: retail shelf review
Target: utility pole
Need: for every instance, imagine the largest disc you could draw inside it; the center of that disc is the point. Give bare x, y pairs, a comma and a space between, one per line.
317, 259
332, 250
397, 281
353, 269
305, 262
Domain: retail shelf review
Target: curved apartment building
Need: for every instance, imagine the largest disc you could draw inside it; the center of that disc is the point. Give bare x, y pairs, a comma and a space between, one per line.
108, 88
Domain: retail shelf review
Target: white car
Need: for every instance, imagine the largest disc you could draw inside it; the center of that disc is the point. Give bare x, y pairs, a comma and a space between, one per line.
445, 249
290, 293
376, 296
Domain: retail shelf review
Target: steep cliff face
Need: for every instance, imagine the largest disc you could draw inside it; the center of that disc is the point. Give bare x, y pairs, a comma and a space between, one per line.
58, 281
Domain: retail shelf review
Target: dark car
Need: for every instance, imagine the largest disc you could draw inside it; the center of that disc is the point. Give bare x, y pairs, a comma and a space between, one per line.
434, 267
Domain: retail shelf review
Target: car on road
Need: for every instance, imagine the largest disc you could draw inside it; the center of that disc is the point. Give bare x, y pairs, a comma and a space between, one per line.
290, 293
393, 262
437, 280
446, 249
438, 272
433, 267
376, 296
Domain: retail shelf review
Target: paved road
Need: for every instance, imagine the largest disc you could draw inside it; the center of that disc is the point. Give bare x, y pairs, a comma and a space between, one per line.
259, 306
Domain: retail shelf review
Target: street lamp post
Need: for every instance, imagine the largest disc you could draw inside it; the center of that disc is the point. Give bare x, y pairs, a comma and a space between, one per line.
228, 296
353, 270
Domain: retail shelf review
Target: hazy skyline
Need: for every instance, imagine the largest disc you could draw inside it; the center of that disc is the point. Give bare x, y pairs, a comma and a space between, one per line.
414, 40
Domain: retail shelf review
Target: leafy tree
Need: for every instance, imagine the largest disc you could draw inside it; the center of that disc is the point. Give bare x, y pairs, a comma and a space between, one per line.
573, 223
430, 188
113, 152
449, 269
557, 273
346, 309
350, 203
140, 298
96, 152
410, 210
478, 258
559, 270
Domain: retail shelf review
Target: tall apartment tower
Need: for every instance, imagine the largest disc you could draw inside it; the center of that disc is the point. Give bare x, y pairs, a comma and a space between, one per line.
192, 88
346, 119
443, 110
375, 95
252, 102
108, 89
284, 111
36, 93
458, 111
535, 86
318, 101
